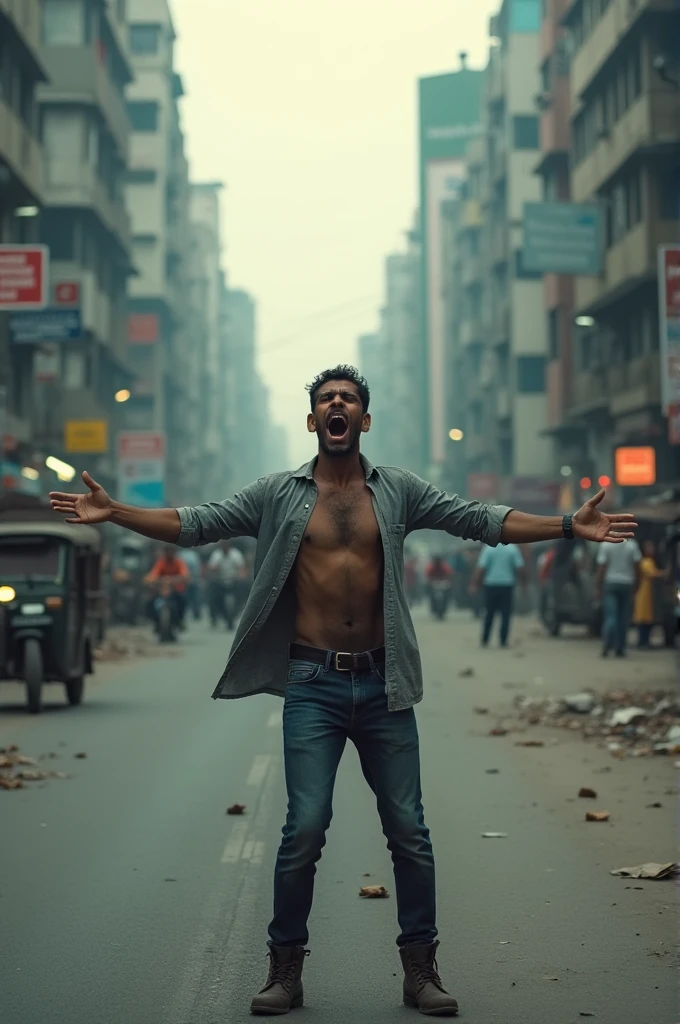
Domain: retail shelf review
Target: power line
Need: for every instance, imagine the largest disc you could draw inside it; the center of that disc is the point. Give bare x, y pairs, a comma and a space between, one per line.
318, 321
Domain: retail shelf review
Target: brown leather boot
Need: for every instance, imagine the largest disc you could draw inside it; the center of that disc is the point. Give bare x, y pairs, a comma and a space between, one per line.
423, 987
283, 989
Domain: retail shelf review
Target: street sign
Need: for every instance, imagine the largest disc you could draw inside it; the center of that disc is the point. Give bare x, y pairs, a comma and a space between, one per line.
669, 324
45, 325
23, 277
141, 468
562, 238
86, 436
635, 466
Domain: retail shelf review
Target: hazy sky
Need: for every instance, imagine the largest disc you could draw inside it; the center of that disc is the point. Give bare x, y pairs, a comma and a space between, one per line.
306, 109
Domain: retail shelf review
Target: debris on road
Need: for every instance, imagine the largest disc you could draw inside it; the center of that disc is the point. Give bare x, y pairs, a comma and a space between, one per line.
81, 756
651, 871
597, 815
493, 771
16, 768
587, 794
530, 743
657, 803
498, 730
587, 1013
494, 835
466, 673
374, 892
627, 723
236, 809
481, 711
127, 642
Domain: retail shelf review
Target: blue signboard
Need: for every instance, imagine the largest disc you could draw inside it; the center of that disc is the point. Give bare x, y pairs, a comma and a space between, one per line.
46, 325
144, 493
562, 238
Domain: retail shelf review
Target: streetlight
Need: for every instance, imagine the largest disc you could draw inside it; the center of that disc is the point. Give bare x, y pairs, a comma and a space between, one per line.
585, 321
456, 434
29, 473
122, 396
64, 472
27, 211
566, 471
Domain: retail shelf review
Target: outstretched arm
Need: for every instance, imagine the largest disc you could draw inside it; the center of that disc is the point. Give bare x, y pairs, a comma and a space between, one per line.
95, 507
589, 523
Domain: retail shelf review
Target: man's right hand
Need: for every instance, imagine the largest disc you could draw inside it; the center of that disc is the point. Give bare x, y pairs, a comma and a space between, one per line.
95, 506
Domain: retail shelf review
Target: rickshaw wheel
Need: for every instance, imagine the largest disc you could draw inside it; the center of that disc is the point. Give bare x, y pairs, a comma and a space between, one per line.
74, 690
33, 675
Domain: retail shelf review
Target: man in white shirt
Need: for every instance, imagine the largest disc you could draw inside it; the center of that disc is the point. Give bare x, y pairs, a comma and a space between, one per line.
227, 567
617, 578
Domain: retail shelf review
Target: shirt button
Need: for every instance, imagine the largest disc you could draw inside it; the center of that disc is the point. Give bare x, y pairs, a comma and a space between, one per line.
306, 506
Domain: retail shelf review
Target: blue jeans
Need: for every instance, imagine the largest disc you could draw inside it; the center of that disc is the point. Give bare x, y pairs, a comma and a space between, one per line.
323, 708
498, 599
617, 606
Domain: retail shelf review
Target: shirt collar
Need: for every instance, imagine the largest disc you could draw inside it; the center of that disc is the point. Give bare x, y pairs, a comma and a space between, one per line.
307, 471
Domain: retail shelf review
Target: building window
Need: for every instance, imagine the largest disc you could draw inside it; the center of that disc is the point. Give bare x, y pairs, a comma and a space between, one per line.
63, 23
143, 116
530, 374
525, 132
669, 195
145, 38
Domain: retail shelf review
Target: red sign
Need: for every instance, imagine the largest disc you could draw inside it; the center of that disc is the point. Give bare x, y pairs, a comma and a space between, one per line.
143, 329
23, 277
635, 466
141, 444
67, 293
671, 263
482, 486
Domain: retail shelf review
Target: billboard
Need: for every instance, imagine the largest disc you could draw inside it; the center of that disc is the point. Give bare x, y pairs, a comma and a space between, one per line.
449, 116
45, 325
562, 238
24, 271
669, 324
86, 436
141, 468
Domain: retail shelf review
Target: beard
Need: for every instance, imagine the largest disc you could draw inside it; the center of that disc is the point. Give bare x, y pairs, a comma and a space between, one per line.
336, 451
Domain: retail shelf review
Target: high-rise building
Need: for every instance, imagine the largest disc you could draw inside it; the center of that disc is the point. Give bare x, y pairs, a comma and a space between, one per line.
625, 126
21, 195
85, 224
162, 351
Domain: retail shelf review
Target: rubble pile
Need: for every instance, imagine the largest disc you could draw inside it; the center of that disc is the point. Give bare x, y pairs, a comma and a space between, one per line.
627, 723
124, 643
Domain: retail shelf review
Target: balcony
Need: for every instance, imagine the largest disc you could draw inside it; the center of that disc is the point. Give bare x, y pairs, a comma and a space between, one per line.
76, 75
72, 184
26, 17
21, 152
653, 120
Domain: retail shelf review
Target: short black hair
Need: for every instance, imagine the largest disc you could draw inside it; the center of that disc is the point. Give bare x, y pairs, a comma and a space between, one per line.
341, 372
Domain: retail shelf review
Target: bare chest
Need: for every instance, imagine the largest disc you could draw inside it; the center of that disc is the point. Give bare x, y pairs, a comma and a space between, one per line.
343, 519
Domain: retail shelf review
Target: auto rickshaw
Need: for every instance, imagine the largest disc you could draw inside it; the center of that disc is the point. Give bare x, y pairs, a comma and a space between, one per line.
52, 610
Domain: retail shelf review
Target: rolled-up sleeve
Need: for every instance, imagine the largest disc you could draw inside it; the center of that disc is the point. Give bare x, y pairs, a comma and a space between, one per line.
432, 509
239, 516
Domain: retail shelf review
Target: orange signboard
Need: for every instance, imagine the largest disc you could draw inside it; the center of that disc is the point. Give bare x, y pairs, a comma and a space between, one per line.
635, 467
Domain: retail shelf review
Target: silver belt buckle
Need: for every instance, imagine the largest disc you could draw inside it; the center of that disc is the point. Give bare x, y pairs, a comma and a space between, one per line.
343, 654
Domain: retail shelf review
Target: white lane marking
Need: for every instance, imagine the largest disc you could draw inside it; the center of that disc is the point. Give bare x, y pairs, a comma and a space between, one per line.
259, 770
248, 848
234, 846
275, 720
258, 852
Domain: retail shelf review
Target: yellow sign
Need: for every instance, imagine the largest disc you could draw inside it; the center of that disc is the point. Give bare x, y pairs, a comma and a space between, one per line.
86, 436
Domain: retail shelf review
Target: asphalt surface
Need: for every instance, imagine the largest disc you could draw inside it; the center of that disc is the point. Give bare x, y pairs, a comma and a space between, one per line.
127, 895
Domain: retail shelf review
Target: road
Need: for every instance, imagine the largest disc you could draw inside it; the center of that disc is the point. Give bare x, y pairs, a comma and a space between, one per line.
127, 894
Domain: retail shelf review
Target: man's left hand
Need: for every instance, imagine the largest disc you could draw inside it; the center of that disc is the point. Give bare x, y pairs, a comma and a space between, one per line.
592, 524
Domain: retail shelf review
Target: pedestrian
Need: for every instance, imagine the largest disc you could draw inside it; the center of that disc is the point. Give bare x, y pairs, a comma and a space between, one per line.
192, 561
228, 566
615, 584
327, 627
499, 568
643, 611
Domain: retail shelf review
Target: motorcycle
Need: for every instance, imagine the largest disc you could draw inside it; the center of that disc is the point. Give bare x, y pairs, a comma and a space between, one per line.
167, 614
440, 592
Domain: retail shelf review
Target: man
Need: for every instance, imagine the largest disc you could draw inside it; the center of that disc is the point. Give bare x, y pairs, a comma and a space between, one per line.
616, 582
228, 566
327, 626
439, 574
170, 566
499, 569
194, 566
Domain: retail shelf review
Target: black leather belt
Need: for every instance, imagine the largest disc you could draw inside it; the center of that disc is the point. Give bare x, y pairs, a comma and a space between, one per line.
341, 661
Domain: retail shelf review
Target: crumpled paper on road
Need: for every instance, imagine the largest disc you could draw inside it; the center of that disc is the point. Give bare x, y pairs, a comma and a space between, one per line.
652, 871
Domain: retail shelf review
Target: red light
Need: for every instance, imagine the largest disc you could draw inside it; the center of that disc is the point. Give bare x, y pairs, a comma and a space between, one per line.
585, 482
604, 481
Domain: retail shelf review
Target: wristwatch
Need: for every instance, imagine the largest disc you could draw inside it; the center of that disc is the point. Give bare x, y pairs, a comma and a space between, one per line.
567, 526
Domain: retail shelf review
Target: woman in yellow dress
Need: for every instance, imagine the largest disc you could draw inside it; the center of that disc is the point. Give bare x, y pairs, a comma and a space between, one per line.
643, 613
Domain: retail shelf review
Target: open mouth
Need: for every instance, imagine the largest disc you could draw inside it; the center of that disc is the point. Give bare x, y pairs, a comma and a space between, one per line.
336, 425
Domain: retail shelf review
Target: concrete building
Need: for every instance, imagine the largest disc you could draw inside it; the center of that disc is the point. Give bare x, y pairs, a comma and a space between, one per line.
373, 362
21, 191
163, 351
85, 224
554, 103
625, 114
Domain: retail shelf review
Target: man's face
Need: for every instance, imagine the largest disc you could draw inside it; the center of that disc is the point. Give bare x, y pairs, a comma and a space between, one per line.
338, 419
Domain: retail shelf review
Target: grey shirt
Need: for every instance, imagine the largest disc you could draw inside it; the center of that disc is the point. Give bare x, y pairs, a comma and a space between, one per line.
276, 510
